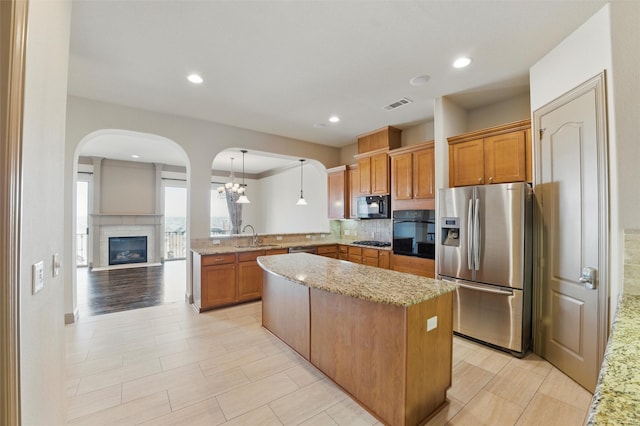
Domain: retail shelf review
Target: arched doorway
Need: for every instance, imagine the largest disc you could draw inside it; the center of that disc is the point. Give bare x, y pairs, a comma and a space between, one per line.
127, 175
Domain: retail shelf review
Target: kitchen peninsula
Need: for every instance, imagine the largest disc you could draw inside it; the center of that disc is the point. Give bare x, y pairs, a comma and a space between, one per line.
383, 336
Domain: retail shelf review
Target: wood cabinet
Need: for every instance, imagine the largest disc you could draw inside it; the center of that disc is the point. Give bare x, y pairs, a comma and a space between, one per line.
249, 276
338, 193
355, 254
216, 280
413, 177
373, 171
328, 251
353, 179
413, 265
367, 256
343, 252
496, 155
385, 138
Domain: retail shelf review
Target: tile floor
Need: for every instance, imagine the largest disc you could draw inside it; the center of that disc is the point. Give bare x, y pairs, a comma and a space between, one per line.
168, 365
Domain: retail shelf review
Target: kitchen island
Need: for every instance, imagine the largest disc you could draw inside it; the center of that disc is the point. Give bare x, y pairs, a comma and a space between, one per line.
384, 336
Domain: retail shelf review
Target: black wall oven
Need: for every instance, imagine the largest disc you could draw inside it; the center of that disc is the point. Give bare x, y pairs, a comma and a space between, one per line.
414, 233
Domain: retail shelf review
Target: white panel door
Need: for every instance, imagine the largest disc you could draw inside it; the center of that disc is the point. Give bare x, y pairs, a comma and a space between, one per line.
572, 205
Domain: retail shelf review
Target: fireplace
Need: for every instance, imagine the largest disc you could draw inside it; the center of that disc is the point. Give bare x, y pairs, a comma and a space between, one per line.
123, 250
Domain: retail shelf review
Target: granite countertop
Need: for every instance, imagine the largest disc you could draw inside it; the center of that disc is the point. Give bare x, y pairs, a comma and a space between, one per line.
355, 280
617, 396
222, 249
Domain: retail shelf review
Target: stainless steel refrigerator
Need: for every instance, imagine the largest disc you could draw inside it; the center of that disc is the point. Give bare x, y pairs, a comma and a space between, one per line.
485, 247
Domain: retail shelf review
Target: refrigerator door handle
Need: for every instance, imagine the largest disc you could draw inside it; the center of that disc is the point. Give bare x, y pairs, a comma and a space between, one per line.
470, 235
486, 289
476, 235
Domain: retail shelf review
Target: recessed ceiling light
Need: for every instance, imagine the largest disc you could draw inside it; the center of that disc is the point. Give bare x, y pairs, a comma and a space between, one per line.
135, 156
195, 78
334, 119
461, 62
420, 80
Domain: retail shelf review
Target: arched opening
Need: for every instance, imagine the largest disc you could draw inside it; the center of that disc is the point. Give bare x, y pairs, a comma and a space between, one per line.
125, 186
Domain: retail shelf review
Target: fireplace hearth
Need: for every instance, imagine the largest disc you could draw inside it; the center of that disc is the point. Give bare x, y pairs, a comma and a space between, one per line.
124, 250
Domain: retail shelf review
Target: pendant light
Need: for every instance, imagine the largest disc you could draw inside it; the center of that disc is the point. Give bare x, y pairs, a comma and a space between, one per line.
301, 200
243, 198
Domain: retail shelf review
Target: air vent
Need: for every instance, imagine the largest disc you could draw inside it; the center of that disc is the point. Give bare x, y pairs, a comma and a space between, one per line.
397, 104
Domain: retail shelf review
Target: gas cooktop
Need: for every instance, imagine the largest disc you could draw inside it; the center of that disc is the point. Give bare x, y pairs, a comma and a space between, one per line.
373, 243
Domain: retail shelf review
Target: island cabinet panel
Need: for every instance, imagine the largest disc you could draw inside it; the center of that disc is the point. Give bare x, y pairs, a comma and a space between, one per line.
429, 370
285, 312
357, 344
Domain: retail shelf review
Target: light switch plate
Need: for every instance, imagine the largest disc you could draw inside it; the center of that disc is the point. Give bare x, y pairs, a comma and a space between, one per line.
432, 323
37, 276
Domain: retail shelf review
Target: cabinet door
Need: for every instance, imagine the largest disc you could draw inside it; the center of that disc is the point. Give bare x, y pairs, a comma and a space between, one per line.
383, 259
466, 163
379, 174
505, 158
424, 174
336, 189
354, 190
401, 169
249, 281
218, 285
364, 170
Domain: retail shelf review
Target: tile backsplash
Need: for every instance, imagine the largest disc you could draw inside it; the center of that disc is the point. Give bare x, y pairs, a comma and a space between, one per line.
369, 229
632, 261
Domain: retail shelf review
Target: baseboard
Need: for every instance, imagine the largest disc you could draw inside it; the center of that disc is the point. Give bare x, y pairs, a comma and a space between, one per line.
70, 318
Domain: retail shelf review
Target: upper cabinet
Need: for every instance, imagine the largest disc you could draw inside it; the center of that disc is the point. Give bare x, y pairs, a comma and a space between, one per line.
496, 155
385, 138
338, 193
373, 171
353, 180
413, 177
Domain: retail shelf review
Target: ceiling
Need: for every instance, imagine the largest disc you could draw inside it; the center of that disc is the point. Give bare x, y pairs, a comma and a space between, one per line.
284, 67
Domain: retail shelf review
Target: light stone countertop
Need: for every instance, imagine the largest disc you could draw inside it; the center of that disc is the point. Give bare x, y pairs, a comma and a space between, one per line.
616, 400
355, 280
229, 248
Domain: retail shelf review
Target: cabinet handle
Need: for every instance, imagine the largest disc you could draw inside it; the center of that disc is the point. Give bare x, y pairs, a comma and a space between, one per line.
491, 179
479, 180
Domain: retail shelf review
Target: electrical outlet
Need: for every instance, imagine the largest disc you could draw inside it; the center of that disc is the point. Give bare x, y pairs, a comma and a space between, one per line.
37, 276
279, 238
215, 242
347, 232
432, 323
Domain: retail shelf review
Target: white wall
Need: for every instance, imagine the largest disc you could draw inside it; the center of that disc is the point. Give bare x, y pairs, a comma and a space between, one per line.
127, 187
419, 133
513, 109
42, 342
280, 214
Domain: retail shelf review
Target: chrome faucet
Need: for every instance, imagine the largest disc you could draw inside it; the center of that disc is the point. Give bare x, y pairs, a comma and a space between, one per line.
255, 234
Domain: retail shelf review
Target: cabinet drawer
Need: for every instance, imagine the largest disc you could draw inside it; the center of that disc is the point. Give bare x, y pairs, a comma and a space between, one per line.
372, 253
357, 251
218, 259
343, 249
327, 249
250, 256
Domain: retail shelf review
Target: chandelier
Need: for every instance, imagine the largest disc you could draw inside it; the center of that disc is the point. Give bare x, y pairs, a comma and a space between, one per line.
232, 187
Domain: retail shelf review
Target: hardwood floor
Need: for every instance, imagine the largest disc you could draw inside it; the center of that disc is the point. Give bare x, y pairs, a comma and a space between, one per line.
168, 365
116, 290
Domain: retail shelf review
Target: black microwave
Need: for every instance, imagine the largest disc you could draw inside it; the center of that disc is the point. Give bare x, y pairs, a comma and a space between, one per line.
374, 207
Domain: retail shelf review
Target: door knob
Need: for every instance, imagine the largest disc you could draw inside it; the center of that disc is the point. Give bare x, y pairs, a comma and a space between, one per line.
588, 278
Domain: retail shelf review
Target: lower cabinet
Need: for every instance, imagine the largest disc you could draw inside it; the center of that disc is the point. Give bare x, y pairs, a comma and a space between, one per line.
328, 251
217, 281
414, 265
249, 276
226, 279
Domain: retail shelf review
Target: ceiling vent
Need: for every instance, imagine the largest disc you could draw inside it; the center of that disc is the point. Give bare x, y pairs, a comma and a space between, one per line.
397, 104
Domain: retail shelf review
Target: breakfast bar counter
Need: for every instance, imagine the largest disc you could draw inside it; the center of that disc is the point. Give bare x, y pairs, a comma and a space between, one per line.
384, 336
